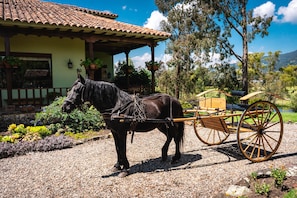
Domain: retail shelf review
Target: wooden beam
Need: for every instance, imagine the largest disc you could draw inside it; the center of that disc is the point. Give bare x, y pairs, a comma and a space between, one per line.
80, 34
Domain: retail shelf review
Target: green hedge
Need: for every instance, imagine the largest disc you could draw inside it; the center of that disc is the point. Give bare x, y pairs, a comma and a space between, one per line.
79, 120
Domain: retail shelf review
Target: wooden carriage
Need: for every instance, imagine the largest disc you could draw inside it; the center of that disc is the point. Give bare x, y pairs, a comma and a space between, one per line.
259, 127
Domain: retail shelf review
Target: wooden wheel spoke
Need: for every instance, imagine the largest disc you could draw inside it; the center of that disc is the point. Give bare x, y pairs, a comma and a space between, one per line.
253, 119
266, 135
273, 124
252, 136
214, 135
209, 135
259, 147
250, 125
261, 118
255, 144
264, 149
219, 136
257, 116
268, 143
270, 119
250, 142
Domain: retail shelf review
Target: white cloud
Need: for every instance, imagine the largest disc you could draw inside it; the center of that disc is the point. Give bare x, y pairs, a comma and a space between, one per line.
265, 10
124, 7
154, 21
139, 61
289, 13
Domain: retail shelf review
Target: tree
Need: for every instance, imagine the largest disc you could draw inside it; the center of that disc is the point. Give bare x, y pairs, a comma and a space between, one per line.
262, 73
225, 77
204, 26
289, 75
188, 28
236, 19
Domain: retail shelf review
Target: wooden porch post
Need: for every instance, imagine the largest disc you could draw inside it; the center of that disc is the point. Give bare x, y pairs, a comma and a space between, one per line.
8, 71
153, 71
91, 73
91, 49
127, 69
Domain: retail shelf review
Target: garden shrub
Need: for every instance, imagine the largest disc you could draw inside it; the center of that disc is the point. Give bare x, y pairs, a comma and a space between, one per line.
293, 98
22, 133
79, 120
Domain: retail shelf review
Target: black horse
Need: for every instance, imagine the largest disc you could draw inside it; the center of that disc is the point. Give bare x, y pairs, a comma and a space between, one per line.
112, 102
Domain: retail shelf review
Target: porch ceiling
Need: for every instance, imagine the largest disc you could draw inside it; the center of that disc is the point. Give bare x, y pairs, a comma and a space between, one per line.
108, 42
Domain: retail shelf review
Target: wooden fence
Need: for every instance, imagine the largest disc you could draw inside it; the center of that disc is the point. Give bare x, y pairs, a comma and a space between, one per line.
30, 96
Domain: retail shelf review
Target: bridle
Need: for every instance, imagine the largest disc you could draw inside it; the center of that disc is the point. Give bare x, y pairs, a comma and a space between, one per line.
82, 91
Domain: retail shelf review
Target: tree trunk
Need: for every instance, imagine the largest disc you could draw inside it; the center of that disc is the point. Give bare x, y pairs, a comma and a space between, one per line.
245, 82
177, 81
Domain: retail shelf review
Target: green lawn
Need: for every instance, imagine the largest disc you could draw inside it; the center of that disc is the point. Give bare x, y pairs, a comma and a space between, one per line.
289, 116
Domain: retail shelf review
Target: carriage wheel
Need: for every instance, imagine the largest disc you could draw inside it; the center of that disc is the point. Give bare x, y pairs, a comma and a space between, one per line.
209, 136
260, 131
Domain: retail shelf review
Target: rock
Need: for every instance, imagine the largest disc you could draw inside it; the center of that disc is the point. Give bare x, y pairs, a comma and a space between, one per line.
292, 171
244, 182
237, 191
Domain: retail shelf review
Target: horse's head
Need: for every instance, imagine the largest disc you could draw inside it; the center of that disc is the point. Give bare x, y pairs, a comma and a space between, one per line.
74, 96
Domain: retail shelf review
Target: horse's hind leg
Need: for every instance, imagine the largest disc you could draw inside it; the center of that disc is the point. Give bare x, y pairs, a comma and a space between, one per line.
165, 131
178, 138
165, 147
177, 155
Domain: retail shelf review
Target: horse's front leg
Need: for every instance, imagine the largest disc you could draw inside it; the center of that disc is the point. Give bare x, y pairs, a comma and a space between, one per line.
117, 166
120, 139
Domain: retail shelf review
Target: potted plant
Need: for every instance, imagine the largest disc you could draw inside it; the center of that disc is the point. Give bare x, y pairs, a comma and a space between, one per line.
10, 61
153, 65
89, 63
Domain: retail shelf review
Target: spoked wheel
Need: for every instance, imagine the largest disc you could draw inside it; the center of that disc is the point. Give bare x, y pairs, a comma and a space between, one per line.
260, 131
209, 136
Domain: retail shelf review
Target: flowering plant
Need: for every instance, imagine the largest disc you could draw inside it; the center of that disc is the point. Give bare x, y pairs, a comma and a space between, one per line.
153, 65
97, 63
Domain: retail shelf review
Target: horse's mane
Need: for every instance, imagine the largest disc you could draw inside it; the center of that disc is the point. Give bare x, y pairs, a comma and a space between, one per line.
106, 96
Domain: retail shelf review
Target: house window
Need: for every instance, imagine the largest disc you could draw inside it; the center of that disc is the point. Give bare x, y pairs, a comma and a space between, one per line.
35, 71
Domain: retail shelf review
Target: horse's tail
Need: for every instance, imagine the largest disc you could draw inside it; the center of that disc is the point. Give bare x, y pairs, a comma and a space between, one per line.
181, 128
181, 132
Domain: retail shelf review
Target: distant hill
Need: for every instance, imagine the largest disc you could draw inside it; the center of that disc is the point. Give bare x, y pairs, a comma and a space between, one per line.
287, 59
284, 60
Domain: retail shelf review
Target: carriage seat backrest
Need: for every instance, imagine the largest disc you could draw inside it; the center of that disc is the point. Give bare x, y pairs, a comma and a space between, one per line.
238, 93
212, 103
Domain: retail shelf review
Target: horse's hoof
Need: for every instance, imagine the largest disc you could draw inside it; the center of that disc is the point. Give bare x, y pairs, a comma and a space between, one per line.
115, 169
123, 174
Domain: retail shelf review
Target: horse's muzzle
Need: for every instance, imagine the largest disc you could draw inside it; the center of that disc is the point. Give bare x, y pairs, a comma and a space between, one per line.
67, 107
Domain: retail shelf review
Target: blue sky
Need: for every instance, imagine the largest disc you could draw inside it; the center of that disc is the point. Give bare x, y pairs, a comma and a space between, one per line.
282, 32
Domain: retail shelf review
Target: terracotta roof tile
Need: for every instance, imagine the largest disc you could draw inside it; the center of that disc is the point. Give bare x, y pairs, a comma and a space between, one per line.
40, 12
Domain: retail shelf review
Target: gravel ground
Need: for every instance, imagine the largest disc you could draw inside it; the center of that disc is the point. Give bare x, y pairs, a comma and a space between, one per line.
84, 170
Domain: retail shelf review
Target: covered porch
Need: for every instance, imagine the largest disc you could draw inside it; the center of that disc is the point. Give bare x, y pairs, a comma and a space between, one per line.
90, 33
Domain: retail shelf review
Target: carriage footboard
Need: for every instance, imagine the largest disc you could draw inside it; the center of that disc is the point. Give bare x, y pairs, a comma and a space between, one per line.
216, 123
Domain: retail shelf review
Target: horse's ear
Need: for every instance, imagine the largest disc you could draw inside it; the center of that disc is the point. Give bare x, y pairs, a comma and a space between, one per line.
81, 79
